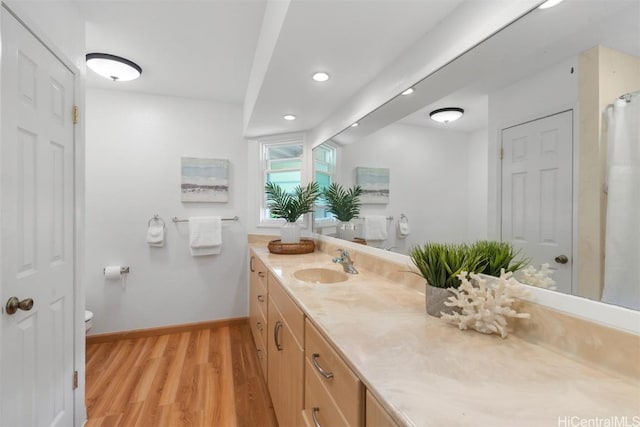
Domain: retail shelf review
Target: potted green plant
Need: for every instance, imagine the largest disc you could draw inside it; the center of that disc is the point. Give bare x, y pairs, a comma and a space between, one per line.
440, 264
344, 204
495, 256
291, 206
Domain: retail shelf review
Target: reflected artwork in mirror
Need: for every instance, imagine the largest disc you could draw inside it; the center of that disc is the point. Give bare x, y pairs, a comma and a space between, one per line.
536, 160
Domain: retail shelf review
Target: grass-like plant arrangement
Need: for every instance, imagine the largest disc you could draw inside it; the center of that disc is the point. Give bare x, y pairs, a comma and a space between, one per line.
291, 206
441, 263
343, 203
496, 256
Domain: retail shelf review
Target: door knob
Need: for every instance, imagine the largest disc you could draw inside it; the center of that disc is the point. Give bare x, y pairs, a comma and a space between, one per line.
562, 259
14, 304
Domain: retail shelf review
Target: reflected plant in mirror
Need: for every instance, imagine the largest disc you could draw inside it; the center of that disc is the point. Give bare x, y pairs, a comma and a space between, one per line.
344, 205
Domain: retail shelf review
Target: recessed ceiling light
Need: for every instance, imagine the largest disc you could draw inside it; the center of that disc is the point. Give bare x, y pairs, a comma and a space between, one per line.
355, 124
321, 76
289, 117
446, 115
113, 67
408, 91
548, 4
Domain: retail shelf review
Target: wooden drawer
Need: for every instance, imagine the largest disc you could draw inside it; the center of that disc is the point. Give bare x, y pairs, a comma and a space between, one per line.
318, 403
343, 385
291, 314
261, 353
257, 313
377, 416
258, 324
258, 268
258, 291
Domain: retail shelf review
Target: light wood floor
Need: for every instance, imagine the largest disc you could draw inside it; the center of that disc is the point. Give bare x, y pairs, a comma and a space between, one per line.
208, 377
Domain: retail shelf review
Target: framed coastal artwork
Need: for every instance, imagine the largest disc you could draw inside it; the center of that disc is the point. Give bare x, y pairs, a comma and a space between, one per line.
205, 180
374, 183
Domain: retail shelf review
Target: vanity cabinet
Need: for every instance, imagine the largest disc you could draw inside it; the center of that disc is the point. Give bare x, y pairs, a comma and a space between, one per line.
258, 309
376, 415
334, 395
286, 355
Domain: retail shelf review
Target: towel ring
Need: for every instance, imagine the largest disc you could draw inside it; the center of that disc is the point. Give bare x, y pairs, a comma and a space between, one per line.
156, 218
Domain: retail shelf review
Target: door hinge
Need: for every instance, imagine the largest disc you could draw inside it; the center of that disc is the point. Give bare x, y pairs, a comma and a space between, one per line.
501, 153
75, 380
75, 114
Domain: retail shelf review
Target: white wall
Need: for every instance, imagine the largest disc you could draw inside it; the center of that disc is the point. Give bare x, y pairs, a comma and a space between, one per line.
477, 184
429, 180
548, 92
134, 146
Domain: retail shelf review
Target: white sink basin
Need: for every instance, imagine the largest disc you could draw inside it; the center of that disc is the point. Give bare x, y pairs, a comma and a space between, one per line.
320, 275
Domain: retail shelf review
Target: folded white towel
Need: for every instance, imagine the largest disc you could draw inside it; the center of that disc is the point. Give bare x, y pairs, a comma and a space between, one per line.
403, 229
155, 235
205, 235
375, 227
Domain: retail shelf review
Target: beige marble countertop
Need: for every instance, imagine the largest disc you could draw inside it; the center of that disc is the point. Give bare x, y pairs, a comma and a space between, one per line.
428, 373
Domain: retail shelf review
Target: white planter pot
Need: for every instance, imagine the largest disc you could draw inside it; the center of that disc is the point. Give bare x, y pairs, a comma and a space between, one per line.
346, 231
290, 233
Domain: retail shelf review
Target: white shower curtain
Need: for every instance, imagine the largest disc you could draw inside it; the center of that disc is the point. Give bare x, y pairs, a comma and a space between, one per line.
622, 244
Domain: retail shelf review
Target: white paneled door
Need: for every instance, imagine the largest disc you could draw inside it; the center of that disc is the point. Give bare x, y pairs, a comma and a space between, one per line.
537, 192
37, 258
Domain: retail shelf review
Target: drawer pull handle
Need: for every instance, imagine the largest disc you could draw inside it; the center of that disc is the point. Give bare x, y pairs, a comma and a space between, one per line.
259, 354
259, 326
314, 411
261, 298
276, 335
251, 264
260, 273
314, 358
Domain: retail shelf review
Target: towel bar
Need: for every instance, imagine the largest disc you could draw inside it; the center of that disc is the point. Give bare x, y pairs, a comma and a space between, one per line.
176, 219
389, 218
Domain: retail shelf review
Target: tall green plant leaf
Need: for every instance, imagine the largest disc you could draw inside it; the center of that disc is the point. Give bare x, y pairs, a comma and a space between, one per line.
291, 206
496, 256
344, 204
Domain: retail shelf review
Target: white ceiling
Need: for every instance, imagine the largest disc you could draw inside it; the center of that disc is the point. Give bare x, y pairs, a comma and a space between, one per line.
205, 49
196, 49
352, 40
523, 49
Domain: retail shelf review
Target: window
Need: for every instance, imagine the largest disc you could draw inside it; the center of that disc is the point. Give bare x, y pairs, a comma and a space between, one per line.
324, 166
282, 164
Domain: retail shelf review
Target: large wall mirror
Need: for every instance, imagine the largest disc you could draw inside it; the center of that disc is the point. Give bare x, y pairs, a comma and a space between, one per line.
546, 154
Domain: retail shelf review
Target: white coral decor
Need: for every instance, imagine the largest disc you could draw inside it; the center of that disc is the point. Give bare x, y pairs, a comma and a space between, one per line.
485, 307
540, 278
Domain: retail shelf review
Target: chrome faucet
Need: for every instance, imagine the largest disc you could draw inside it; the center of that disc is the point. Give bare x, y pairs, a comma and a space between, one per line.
347, 263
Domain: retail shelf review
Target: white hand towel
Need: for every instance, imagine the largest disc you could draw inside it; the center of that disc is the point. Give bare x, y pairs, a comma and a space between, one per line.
375, 227
403, 229
205, 235
155, 235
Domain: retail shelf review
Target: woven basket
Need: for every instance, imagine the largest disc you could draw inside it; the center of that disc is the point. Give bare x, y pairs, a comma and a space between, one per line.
306, 246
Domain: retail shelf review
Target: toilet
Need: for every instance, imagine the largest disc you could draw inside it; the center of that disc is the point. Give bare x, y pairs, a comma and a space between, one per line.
88, 320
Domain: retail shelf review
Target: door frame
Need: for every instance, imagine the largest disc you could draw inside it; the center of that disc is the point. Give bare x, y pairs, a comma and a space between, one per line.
79, 409
500, 127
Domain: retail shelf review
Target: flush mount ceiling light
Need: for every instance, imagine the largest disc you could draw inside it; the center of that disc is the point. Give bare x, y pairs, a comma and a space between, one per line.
548, 4
446, 115
289, 117
355, 124
113, 67
408, 91
321, 76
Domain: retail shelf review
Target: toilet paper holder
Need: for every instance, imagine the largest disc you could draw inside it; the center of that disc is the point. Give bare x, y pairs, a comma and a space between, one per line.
123, 270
